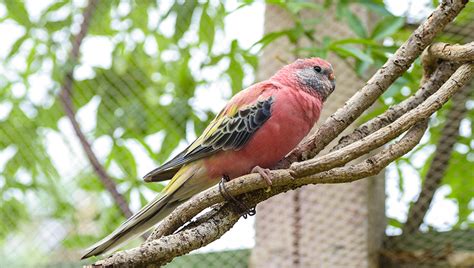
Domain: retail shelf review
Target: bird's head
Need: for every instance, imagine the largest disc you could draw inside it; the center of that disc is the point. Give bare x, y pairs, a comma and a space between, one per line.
314, 75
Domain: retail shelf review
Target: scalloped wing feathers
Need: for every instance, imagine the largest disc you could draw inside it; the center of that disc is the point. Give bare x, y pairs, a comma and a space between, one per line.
230, 130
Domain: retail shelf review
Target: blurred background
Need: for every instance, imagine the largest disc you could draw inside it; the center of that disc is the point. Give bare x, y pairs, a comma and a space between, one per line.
94, 94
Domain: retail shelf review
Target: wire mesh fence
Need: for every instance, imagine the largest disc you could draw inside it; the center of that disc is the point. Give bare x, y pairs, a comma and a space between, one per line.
150, 76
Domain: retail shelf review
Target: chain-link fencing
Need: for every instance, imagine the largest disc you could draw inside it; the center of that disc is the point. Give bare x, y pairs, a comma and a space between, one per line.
146, 78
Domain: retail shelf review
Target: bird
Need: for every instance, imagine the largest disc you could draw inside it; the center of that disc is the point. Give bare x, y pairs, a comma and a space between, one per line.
257, 128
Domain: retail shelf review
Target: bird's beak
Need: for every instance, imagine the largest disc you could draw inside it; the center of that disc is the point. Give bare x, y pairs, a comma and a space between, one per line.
332, 78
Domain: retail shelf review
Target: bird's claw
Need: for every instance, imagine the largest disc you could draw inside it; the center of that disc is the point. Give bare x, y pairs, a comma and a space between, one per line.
243, 209
266, 175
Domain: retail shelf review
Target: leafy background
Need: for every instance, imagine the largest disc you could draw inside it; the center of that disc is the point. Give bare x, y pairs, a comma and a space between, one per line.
170, 69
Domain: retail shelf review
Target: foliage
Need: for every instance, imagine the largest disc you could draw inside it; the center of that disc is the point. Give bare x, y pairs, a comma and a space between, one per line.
146, 96
147, 89
368, 49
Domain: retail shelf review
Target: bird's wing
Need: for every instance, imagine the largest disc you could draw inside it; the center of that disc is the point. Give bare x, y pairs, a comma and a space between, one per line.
230, 130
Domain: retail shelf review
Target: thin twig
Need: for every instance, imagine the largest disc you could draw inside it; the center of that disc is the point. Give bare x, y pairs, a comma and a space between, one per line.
66, 101
380, 81
440, 162
442, 73
387, 133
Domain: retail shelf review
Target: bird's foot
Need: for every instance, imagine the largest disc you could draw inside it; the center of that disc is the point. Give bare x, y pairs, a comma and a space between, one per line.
242, 208
266, 175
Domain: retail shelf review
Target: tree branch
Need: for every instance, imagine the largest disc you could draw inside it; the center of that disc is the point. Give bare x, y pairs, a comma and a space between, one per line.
440, 162
251, 188
442, 73
166, 242
66, 101
380, 81
161, 251
453, 52
387, 133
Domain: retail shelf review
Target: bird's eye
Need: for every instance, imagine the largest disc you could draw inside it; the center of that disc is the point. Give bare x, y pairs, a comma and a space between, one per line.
317, 69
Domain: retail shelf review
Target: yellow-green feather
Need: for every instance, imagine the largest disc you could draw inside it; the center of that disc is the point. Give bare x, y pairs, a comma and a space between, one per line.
177, 180
214, 126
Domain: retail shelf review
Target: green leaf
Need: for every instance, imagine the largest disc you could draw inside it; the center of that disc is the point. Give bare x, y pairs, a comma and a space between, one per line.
12, 211
347, 50
16, 46
270, 37
89, 182
55, 6
236, 75
296, 6
387, 26
156, 187
78, 241
30, 59
401, 187
214, 60
17, 11
206, 30
100, 25
139, 16
356, 24
395, 223
295, 33
376, 6
251, 59
53, 26
125, 160
184, 14
170, 142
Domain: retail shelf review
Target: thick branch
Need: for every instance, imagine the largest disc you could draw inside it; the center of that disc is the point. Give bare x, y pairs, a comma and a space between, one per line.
381, 136
332, 127
438, 52
283, 180
434, 80
251, 187
434, 76
161, 251
440, 162
66, 101
380, 81
452, 52
182, 215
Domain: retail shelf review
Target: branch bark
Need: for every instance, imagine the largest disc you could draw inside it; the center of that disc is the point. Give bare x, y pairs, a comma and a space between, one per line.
453, 52
250, 188
166, 242
380, 81
387, 133
66, 101
441, 75
161, 251
440, 162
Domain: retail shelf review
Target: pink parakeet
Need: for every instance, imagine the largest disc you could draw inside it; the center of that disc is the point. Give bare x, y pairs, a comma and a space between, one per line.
257, 128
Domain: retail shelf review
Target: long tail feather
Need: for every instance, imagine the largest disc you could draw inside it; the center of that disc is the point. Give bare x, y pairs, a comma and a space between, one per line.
189, 180
136, 225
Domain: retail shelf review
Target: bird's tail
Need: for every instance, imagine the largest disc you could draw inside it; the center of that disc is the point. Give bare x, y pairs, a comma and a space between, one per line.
188, 181
136, 225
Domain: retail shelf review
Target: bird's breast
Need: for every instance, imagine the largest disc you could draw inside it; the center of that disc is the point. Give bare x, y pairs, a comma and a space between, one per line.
293, 116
